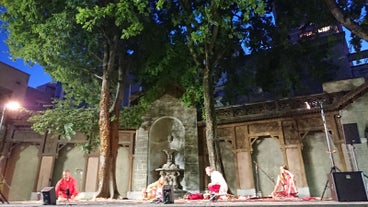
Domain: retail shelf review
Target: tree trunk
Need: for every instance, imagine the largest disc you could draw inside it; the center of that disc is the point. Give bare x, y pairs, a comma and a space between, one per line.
106, 181
210, 116
109, 128
122, 72
114, 193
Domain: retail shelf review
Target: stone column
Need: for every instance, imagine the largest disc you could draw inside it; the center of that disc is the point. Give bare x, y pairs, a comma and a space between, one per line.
91, 177
139, 171
46, 170
47, 161
245, 172
4, 155
296, 166
5, 146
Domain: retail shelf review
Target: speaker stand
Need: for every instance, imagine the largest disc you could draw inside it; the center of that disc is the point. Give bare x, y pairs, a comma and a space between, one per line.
67, 202
258, 187
354, 159
332, 170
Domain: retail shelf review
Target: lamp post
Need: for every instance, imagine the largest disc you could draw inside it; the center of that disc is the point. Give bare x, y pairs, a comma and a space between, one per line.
330, 151
319, 103
12, 105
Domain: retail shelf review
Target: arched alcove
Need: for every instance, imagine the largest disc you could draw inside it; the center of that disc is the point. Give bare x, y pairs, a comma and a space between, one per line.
265, 152
166, 133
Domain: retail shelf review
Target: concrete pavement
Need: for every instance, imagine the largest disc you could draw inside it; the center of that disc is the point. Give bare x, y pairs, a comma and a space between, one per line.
198, 203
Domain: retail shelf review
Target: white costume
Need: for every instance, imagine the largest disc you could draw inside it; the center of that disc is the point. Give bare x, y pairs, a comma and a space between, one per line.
217, 178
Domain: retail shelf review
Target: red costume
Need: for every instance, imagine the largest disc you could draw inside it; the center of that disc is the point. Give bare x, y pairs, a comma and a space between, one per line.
286, 182
64, 184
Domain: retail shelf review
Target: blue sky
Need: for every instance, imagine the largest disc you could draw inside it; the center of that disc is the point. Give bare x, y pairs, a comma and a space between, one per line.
37, 75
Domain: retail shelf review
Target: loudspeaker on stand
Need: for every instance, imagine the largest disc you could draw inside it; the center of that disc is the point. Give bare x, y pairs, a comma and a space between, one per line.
351, 133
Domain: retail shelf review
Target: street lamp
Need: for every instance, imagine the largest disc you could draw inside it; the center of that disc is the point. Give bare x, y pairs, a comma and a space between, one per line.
12, 105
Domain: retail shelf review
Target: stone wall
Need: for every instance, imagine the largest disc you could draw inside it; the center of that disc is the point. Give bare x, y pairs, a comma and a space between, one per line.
270, 133
357, 112
168, 124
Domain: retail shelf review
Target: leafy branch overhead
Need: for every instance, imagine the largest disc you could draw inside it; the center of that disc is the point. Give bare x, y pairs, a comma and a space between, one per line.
65, 121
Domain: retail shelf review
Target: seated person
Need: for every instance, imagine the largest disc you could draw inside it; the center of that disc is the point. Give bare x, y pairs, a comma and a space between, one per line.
66, 187
218, 185
285, 184
154, 190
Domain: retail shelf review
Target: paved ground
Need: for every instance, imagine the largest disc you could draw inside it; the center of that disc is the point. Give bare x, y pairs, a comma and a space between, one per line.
198, 203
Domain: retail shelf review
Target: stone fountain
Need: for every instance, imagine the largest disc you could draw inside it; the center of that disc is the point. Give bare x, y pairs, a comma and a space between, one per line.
172, 172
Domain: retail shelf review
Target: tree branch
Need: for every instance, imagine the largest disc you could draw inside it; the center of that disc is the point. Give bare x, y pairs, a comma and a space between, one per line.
346, 21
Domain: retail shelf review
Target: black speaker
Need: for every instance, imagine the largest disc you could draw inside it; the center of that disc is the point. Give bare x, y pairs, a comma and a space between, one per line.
48, 196
351, 133
167, 194
348, 186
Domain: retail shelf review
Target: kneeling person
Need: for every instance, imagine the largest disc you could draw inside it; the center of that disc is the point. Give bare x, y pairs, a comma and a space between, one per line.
218, 185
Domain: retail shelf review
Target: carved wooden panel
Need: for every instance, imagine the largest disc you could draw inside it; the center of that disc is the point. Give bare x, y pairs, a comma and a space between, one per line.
126, 137
267, 128
224, 133
241, 137
277, 108
312, 123
290, 132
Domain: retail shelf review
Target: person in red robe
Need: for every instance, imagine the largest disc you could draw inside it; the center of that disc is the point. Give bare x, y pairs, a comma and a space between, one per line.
66, 187
285, 184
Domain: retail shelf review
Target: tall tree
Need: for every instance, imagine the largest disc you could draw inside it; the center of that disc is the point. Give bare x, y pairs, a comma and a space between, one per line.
77, 41
212, 31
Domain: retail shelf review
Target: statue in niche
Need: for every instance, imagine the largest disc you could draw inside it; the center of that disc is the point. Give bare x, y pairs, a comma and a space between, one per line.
170, 138
174, 141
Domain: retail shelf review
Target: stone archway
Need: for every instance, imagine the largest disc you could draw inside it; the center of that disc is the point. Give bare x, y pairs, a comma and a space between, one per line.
267, 158
315, 159
166, 133
23, 168
71, 158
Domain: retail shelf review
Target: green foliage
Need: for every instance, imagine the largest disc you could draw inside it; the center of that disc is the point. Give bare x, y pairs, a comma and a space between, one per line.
123, 14
131, 117
212, 32
68, 38
284, 69
65, 120
47, 33
193, 96
279, 64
